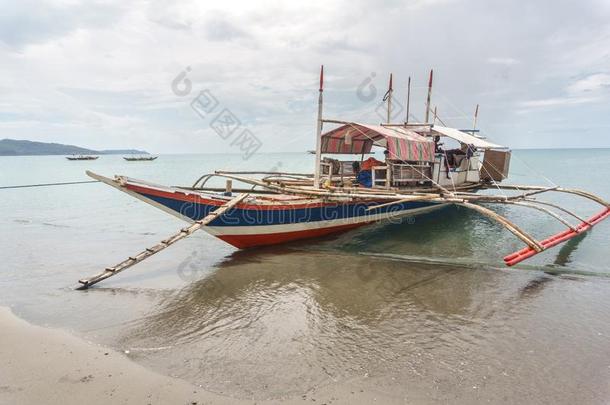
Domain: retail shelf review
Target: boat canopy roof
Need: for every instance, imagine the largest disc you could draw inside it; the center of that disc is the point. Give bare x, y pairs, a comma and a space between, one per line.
401, 143
464, 137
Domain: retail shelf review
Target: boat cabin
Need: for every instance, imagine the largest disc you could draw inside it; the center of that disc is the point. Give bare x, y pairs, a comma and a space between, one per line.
414, 156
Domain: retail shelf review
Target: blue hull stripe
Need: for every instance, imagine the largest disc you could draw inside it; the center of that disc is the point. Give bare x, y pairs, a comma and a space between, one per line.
262, 217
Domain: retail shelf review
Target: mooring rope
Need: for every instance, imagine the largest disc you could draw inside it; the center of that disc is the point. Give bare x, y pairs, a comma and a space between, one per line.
49, 184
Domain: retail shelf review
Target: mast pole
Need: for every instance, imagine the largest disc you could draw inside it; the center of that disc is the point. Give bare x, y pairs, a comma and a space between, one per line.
319, 124
429, 95
434, 122
476, 114
390, 90
408, 98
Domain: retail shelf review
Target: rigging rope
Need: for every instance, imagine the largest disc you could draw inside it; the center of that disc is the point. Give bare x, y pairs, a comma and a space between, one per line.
49, 184
466, 116
482, 166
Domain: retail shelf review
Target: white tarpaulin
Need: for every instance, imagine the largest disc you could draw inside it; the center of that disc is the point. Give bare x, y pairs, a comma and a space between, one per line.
463, 137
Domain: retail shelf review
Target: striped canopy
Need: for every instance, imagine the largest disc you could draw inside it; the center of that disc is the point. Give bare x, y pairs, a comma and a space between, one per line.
402, 143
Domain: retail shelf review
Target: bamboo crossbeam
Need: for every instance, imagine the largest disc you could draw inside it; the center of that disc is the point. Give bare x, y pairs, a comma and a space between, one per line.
148, 252
330, 121
207, 176
530, 193
413, 198
267, 173
581, 193
223, 189
319, 193
585, 194
414, 124
282, 188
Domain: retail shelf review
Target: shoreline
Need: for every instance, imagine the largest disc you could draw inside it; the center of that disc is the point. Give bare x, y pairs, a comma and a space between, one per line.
51, 366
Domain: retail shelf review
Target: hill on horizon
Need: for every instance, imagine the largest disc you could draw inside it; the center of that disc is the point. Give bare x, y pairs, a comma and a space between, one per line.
14, 147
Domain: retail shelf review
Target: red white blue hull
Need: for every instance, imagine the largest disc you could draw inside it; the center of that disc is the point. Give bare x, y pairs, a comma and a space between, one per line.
260, 220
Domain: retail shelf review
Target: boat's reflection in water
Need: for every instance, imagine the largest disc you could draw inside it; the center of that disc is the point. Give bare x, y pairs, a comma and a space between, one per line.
281, 320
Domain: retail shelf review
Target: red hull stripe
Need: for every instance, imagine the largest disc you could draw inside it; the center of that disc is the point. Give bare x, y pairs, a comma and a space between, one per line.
246, 241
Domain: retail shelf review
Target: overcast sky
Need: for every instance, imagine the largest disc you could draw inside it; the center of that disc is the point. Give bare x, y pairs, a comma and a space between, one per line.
100, 74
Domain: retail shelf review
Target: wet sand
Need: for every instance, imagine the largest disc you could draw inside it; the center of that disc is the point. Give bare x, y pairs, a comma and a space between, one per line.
50, 366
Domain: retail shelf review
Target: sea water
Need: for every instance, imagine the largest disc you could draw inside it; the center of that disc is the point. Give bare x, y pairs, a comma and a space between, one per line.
425, 306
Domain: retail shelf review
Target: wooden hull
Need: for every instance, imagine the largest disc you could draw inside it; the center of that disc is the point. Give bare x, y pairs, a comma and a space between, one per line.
261, 221
82, 157
140, 159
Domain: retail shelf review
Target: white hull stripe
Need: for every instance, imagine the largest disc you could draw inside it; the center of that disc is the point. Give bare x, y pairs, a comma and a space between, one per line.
306, 226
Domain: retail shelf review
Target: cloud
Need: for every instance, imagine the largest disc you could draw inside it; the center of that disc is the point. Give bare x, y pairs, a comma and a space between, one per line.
221, 29
557, 101
593, 88
502, 61
25, 22
595, 83
101, 72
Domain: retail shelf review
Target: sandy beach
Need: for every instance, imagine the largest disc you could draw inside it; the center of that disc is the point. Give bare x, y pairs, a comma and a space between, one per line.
50, 366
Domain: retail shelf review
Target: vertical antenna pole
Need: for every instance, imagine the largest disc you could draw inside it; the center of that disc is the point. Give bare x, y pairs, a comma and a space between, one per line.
390, 90
429, 95
408, 98
474, 124
319, 132
434, 122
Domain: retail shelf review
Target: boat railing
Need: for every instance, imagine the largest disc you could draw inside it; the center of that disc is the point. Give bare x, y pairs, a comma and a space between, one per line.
338, 170
401, 174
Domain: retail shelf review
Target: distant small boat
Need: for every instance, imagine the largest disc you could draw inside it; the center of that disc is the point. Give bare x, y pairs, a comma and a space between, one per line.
139, 158
82, 157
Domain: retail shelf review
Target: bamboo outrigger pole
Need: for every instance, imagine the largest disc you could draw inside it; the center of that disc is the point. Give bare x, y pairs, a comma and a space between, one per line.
319, 123
429, 96
145, 254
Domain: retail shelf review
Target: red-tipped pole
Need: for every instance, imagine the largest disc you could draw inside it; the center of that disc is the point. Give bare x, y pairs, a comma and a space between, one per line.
322, 78
429, 96
319, 131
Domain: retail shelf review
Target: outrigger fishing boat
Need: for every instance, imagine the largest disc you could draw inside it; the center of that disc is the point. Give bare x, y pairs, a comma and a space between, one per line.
82, 157
139, 158
417, 176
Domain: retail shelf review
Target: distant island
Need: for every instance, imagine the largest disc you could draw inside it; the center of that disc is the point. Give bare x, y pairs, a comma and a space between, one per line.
13, 147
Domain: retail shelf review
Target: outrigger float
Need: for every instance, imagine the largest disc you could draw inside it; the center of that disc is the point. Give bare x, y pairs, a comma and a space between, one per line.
417, 176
